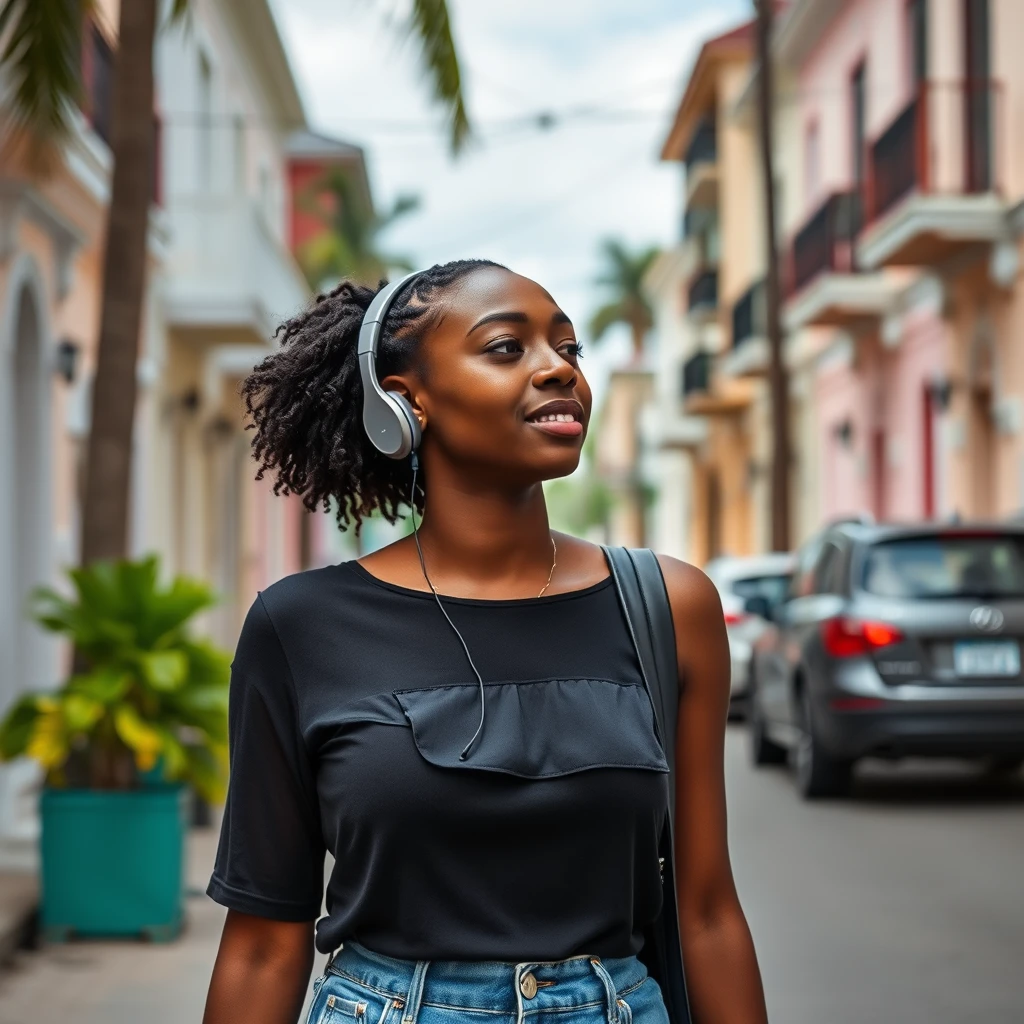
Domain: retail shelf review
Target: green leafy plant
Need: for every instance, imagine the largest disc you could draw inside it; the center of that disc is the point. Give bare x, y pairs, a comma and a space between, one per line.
144, 698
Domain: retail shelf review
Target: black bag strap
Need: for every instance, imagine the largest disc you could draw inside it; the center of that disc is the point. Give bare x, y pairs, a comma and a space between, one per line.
645, 606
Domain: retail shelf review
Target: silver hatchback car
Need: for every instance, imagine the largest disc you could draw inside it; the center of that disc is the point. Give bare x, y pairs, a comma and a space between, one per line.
894, 641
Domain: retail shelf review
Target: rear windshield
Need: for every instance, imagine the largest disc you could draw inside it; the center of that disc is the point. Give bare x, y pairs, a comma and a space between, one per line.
773, 587
951, 566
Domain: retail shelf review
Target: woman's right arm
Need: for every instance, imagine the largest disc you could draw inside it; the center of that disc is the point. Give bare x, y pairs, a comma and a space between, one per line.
269, 871
262, 971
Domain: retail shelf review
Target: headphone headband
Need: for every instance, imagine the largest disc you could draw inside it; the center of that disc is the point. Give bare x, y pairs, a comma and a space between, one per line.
388, 418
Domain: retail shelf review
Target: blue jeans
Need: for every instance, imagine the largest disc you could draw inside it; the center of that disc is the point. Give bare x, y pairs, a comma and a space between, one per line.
362, 987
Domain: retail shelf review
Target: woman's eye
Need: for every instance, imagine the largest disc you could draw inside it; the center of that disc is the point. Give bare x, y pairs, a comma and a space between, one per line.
574, 350
506, 347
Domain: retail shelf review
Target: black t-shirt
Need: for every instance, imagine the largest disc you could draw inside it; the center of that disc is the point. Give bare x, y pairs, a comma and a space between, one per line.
351, 700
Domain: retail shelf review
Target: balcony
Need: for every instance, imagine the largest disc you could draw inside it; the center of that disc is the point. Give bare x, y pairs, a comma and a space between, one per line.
702, 295
935, 176
704, 395
828, 289
227, 275
748, 354
701, 162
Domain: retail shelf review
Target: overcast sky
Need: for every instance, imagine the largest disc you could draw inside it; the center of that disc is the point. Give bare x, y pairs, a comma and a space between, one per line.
539, 201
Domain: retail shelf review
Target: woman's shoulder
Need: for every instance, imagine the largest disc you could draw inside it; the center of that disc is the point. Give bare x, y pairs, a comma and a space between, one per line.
690, 590
301, 599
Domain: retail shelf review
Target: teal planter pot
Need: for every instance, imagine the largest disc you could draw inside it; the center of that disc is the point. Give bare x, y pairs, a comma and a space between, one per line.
113, 863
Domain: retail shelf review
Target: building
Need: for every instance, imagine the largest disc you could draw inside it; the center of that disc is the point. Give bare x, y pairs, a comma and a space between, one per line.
707, 293
233, 143
907, 261
51, 234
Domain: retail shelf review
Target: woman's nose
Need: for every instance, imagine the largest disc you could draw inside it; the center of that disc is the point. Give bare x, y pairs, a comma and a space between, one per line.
556, 371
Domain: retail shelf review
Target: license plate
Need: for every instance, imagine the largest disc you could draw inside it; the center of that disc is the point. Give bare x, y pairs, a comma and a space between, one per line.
986, 658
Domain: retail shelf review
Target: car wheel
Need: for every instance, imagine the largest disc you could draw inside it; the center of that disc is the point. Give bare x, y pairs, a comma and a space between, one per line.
817, 774
763, 751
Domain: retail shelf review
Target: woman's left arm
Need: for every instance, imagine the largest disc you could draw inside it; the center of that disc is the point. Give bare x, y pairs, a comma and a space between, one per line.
721, 966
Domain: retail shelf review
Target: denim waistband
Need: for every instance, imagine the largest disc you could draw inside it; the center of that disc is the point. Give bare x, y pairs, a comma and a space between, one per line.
496, 986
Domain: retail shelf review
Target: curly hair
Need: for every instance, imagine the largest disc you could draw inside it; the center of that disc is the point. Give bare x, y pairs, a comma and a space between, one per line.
305, 399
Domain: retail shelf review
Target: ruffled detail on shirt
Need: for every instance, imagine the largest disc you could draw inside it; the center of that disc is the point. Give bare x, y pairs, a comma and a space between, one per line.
536, 730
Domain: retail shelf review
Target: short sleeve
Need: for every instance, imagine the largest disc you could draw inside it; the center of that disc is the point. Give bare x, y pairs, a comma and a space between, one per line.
270, 860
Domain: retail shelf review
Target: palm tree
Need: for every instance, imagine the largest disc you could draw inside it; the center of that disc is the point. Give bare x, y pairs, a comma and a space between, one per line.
348, 246
41, 59
622, 276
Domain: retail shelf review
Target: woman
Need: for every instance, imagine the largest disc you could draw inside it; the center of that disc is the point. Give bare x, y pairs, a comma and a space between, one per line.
495, 846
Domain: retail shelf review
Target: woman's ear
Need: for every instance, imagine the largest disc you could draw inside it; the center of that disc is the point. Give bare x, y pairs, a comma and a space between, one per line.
402, 386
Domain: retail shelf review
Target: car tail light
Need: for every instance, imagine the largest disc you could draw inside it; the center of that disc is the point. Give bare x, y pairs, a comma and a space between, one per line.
850, 638
734, 618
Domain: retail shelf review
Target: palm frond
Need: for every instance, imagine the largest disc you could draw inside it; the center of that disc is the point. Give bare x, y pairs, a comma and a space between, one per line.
609, 314
431, 25
42, 57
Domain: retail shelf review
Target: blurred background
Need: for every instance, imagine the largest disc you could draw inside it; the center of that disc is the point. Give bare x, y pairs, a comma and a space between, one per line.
790, 237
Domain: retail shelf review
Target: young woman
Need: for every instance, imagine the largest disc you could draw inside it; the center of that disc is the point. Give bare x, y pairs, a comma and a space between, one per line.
495, 846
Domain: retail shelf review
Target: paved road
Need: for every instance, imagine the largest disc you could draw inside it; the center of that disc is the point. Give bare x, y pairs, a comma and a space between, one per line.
902, 906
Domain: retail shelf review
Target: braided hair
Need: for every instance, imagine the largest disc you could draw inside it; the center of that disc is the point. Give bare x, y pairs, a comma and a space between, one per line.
305, 399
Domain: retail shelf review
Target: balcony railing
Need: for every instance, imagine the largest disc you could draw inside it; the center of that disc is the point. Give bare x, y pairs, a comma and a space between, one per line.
703, 291
826, 242
748, 315
947, 140
697, 374
703, 148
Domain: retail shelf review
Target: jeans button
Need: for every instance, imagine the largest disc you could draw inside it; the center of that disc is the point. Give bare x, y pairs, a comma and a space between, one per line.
528, 985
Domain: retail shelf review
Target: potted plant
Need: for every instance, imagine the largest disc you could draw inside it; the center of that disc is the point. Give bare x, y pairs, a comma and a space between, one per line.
142, 717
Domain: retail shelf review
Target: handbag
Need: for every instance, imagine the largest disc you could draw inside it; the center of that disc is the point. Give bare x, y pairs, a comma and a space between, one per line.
640, 586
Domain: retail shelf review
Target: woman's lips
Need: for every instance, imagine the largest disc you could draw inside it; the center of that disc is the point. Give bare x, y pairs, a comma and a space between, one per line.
559, 427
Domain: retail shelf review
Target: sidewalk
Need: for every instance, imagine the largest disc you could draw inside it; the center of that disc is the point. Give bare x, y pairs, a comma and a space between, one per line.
124, 982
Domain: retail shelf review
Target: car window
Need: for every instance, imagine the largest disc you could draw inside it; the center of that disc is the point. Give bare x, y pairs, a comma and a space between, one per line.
954, 565
771, 587
828, 573
802, 583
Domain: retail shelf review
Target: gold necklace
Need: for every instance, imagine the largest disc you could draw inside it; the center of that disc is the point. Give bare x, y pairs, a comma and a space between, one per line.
554, 562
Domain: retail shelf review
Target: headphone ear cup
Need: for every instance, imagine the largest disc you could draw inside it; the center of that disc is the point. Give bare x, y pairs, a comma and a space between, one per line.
412, 434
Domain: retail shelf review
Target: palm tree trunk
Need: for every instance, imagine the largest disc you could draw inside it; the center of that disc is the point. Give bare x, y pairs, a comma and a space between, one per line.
108, 467
778, 380
638, 342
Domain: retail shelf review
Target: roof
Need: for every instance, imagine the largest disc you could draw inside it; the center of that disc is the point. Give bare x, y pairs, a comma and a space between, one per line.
307, 143
256, 25
736, 44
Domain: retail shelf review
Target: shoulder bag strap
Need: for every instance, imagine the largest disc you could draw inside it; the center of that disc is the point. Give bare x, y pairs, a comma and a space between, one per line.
645, 606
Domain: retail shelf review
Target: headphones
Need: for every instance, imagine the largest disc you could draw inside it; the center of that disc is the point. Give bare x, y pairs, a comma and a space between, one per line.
388, 419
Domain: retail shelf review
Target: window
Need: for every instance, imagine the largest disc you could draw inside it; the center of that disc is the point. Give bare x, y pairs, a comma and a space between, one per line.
812, 164
952, 565
204, 125
858, 126
917, 39
238, 132
828, 573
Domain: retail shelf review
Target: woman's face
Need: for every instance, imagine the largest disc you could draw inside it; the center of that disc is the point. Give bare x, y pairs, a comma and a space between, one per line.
498, 387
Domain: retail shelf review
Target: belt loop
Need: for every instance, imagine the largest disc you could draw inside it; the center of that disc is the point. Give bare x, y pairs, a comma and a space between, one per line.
415, 995
609, 989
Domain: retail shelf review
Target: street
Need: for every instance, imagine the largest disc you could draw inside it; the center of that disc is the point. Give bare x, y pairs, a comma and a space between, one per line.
902, 905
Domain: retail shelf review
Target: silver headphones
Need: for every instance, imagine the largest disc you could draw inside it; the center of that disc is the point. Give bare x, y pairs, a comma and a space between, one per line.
388, 419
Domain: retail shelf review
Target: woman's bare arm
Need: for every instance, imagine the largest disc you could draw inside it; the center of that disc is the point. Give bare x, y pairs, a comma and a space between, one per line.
721, 967
261, 973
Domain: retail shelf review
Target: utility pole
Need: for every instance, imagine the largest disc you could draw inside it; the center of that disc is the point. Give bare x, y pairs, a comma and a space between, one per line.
778, 378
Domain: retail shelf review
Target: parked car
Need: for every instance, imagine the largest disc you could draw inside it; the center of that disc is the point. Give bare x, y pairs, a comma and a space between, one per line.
894, 641
750, 588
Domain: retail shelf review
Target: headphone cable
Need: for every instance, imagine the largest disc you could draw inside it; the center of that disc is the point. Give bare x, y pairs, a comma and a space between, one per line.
423, 565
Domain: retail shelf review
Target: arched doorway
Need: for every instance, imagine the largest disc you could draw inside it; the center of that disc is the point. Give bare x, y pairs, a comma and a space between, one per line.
27, 654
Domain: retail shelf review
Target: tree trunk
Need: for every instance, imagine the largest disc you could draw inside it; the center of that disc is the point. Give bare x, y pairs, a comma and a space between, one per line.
638, 342
108, 467
778, 379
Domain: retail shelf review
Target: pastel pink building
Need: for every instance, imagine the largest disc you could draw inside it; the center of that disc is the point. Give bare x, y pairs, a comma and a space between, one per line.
905, 264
